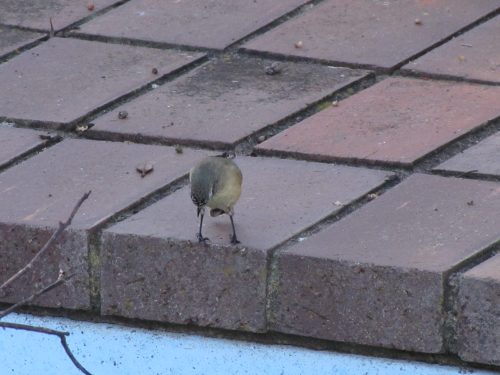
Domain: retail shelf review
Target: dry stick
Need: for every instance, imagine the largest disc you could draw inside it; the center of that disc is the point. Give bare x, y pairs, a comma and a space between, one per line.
60, 280
48, 244
62, 336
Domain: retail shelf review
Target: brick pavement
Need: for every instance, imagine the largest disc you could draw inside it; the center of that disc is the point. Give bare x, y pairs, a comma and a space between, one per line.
367, 133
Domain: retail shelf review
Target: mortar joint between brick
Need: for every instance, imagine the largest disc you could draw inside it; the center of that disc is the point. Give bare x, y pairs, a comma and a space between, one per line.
274, 253
91, 16
246, 145
427, 163
410, 73
30, 153
273, 24
92, 115
457, 33
94, 269
451, 284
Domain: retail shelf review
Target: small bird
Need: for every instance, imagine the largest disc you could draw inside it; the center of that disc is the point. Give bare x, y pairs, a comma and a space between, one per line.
216, 183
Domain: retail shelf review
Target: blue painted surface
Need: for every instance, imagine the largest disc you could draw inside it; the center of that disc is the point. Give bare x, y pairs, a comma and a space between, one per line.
112, 349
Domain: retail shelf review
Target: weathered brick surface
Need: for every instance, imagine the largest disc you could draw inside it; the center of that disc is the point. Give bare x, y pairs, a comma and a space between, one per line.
195, 23
225, 100
376, 276
37, 14
63, 79
381, 33
153, 267
483, 158
19, 242
479, 313
397, 121
36, 194
474, 55
12, 39
16, 142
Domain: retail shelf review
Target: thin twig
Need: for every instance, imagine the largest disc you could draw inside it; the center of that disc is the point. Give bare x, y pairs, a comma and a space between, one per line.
48, 244
26, 327
51, 32
61, 334
60, 280
72, 357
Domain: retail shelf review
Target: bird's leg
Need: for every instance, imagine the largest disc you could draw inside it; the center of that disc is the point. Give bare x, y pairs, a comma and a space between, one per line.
199, 235
234, 240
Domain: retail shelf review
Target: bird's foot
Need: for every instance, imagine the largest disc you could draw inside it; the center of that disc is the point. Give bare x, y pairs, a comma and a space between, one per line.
201, 238
234, 240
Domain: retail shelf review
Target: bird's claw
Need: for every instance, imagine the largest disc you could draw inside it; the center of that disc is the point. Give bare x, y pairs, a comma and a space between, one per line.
201, 238
234, 240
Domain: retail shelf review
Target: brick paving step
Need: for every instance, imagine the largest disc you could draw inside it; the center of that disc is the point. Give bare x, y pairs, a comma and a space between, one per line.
396, 121
225, 100
41, 191
479, 313
194, 23
13, 39
376, 277
63, 79
483, 158
374, 33
16, 142
154, 268
37, 14
473, 55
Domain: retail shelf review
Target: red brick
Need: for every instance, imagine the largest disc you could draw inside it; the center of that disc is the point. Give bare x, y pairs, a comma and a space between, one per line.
225, 100
479, 313
397, 121
178, 280
41, 191
63, 79
194, 23
37, 14
381, 33
16, 142
473, 55
376, 277
483, 158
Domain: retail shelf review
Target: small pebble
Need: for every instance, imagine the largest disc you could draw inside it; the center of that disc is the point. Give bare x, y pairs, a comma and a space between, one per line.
335, 103
418, 21
299, 44
154, 71
178, 149
261, 138
90, 6
122, 115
